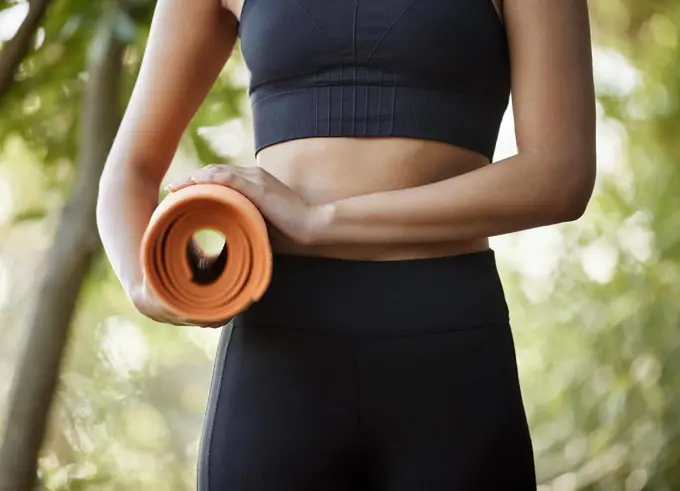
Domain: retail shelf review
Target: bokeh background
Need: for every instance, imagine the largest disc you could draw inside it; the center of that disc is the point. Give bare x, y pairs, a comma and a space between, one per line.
595, 304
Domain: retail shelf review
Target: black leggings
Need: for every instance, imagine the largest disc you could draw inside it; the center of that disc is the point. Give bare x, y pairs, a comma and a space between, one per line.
380, 376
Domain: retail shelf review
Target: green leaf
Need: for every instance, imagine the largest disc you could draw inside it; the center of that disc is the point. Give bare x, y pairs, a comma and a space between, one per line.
30, 215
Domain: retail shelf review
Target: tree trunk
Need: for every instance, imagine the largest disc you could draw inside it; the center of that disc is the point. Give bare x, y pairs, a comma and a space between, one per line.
15, 50
67, 262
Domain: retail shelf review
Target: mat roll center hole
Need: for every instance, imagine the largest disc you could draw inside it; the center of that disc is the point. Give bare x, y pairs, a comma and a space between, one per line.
207, 256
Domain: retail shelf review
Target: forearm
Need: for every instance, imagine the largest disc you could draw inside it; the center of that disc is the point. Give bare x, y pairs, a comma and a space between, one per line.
516, 194
126, 201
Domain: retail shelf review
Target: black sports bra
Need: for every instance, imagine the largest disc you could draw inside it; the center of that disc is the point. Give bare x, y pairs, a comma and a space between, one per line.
430, 69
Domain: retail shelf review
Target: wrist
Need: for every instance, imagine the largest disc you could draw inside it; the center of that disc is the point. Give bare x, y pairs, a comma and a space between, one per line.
319, 225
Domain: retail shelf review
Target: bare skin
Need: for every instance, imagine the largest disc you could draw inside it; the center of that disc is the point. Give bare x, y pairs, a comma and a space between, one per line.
375, 199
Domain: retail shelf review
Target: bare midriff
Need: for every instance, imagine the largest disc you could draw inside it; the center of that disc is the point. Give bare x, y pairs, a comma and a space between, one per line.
323, 170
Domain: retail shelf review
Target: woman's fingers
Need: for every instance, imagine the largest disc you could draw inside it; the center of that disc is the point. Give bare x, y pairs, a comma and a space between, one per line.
245, 179
215, 174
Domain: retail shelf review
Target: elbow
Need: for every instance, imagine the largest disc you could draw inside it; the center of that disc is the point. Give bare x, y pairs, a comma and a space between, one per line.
572, 194
572, 211
572, 203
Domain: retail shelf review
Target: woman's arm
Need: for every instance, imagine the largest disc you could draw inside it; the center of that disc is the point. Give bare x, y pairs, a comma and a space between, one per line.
189, 43
549, 181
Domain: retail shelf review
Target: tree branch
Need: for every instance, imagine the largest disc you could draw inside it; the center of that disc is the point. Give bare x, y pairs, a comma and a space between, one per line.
15, 50
75, 244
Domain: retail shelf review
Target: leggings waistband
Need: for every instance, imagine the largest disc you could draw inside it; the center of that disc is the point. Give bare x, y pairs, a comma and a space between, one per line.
381, 297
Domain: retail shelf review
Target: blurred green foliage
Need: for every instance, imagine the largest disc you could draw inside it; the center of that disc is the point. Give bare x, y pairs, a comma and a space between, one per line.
595, 304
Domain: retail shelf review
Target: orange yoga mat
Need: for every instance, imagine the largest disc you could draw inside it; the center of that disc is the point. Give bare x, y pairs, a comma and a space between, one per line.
169, 276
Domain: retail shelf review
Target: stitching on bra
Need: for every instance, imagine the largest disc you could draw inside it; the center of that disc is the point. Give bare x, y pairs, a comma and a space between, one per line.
312, 21
244, 14
378, 85
281, 93
394, 23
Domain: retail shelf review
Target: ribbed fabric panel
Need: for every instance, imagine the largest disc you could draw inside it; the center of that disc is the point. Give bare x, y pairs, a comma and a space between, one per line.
357, 102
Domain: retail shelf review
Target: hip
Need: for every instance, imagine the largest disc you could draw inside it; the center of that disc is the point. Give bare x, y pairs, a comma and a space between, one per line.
381, 298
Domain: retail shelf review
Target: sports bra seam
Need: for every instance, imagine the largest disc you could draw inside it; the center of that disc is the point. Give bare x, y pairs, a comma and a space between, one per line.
287, 91
311, 19
299, 89
391, 26
244, 15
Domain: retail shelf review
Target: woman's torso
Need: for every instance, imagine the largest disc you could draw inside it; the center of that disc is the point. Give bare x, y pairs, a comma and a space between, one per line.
323, 170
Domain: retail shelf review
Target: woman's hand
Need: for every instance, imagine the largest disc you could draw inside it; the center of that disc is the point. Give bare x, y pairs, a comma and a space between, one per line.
147, 305
280, 205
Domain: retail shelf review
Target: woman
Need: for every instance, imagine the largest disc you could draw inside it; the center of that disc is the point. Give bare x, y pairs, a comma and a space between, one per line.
381, 356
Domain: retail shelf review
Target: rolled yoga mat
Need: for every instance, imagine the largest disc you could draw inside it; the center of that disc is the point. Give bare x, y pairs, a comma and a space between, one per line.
202, 289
